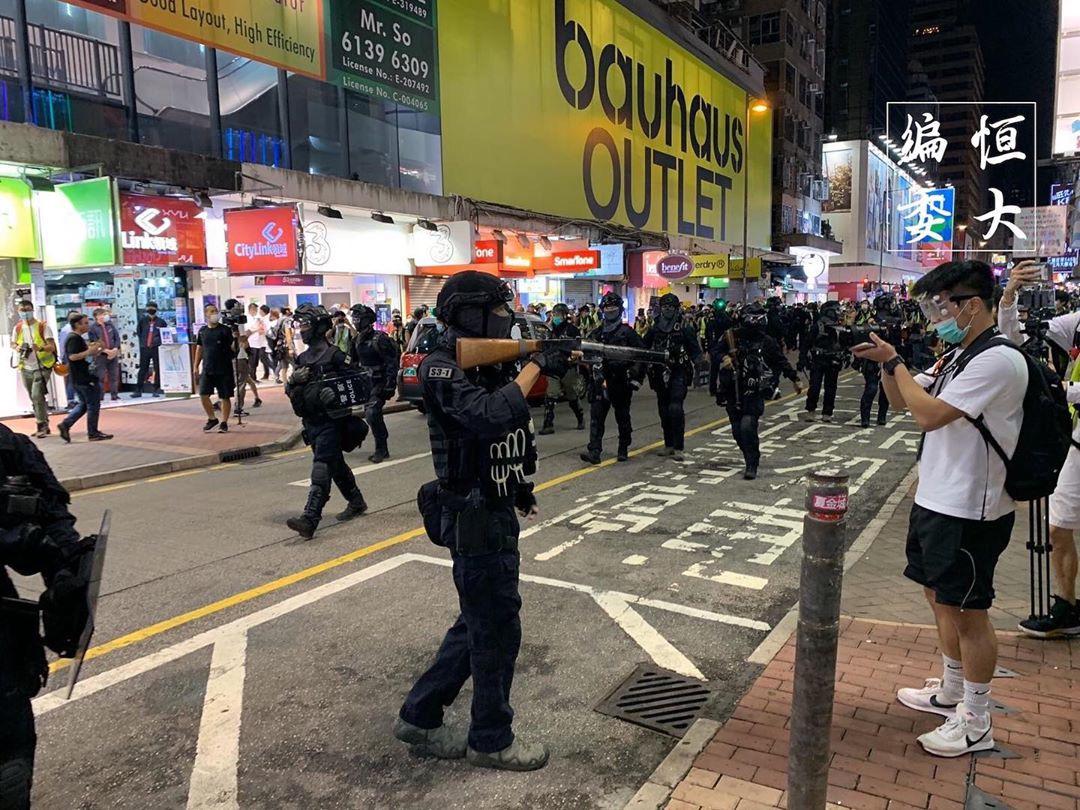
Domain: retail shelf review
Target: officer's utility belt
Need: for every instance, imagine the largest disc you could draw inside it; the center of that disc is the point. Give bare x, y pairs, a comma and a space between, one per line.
472, 531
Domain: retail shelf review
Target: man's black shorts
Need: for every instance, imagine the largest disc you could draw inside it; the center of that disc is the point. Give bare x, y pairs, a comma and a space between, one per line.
955, 557
223, 383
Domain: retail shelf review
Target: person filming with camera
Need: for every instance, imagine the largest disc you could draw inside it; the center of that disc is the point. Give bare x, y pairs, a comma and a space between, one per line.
1061, 332
963, 516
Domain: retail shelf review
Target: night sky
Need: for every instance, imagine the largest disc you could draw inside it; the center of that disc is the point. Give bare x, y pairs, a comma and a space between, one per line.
1019, 45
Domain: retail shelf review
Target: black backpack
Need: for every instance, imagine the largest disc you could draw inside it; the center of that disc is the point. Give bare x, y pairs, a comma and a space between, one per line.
1045, 433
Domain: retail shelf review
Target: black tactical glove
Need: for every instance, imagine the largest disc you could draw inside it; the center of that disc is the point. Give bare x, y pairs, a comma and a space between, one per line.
524, 500
64, 611
553, 362
301, 376
20, 547
327, 397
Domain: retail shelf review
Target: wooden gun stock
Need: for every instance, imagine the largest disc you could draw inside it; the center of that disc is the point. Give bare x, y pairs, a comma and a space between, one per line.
473, 352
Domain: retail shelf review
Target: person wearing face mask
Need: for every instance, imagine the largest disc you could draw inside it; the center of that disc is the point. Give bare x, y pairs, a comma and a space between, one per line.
885, 319
612, 383
963, 515
106, 364
747, 365
215, 353
35, 346
483, 451
1062, 334
671, 380
571, 385
149, 336
827, 357
87, 387
375, 351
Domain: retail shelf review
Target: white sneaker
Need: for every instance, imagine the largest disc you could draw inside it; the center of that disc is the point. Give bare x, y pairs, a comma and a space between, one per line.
959, 735
928, 699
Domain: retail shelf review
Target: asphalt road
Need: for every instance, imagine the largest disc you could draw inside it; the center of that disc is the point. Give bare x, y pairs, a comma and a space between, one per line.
239, 666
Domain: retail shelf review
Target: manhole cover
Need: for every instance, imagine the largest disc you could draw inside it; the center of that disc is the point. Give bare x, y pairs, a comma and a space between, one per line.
657, 699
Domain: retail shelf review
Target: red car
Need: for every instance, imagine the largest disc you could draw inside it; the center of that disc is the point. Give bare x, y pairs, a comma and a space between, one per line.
423, 340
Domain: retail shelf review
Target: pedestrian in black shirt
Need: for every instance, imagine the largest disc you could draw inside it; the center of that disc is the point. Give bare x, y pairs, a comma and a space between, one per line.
149, 334
87, 387
215, 351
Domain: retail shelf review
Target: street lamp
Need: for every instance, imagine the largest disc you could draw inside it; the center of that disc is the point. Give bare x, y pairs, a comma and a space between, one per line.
758, 105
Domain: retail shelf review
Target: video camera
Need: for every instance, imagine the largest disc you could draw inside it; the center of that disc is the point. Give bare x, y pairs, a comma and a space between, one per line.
233, 314
848, 337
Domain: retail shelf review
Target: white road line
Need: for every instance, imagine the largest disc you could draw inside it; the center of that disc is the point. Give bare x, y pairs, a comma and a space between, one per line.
366, 468
217, 755
646, 636
98, 683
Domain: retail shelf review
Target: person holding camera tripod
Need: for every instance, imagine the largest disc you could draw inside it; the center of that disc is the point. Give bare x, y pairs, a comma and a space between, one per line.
43, 542
1062, 332
963, 516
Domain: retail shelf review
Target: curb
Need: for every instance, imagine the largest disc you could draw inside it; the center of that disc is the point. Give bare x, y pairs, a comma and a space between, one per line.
669, 773
286, 442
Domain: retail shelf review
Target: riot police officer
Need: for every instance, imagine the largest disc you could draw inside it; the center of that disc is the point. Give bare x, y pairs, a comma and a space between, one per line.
671, 380
571, 386
329, 432
746, 381
716, 328
375, 351
38, 539
483, 450
885, 320
612, 383
827, 358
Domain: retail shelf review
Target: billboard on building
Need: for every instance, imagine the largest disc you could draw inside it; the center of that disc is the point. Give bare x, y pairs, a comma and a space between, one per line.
1067, 88
838, 171
563, 110
287, 34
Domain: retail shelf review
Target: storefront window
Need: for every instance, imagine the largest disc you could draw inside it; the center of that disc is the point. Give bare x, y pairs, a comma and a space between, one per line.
313, 117
249, 111
170, 89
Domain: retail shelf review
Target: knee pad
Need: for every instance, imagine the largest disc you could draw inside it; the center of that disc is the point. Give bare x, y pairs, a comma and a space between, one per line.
16, 777
320, 474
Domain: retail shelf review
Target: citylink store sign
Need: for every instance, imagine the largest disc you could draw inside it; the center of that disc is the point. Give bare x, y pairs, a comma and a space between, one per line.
579, 108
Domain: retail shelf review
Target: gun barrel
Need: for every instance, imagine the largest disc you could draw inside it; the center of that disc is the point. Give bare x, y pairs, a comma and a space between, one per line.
626, 354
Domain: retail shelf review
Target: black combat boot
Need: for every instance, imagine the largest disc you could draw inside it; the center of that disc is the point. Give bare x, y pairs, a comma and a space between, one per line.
575, 406
624, 452
591, 456
357, 506
318, 495
549, 418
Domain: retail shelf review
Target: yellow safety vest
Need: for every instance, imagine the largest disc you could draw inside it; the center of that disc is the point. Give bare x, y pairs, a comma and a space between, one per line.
46, 358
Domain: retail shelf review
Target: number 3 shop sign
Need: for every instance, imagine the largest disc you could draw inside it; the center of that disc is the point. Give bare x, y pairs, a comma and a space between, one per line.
262, 240
386, 49
161, 230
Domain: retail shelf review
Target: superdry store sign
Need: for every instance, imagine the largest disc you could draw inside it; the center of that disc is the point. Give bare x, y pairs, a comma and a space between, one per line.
161, 230
262, 240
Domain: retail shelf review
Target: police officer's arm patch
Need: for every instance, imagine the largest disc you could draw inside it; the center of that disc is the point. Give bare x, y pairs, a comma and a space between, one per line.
440, 373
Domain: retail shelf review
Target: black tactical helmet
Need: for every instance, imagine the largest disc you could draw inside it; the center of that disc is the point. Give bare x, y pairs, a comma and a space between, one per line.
830, 309
611, 299
560, 309
471, 289
363, 316
753, 316
670, 300
313, 319
886, 302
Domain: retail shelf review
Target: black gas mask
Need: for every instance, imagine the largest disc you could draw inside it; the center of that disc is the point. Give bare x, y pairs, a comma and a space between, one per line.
485, 320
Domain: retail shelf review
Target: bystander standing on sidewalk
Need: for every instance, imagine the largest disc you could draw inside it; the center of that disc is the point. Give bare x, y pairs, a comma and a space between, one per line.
107, 363
87, 387
35, 347
245, 374
69, 383
266, 357
215, 352
149, 336
255, 328
962, 517
280, 339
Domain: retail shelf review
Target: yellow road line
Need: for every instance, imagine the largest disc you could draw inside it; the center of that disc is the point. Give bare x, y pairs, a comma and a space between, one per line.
275, 585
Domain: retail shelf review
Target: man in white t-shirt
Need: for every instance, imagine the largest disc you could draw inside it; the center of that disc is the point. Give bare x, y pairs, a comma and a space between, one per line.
256, 330
962, 517
1062, 333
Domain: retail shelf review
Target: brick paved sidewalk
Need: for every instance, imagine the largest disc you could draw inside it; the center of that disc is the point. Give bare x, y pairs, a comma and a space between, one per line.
163, 432
876, 762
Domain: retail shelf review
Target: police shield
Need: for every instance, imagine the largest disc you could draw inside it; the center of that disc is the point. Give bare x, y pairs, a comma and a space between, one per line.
92, 565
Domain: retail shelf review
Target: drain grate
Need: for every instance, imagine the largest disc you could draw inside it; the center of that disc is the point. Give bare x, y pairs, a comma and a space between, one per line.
241, 454
657, 699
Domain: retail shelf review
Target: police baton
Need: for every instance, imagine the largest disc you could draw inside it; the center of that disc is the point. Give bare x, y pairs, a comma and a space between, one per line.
824, 530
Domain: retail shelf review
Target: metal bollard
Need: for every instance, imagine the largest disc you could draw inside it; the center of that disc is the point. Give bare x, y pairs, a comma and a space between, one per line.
815, 654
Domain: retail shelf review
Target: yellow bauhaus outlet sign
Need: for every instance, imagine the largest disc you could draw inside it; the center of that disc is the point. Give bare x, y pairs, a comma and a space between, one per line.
286, 33
579, 108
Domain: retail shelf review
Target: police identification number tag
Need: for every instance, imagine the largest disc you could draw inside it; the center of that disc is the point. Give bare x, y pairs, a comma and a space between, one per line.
440, 373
